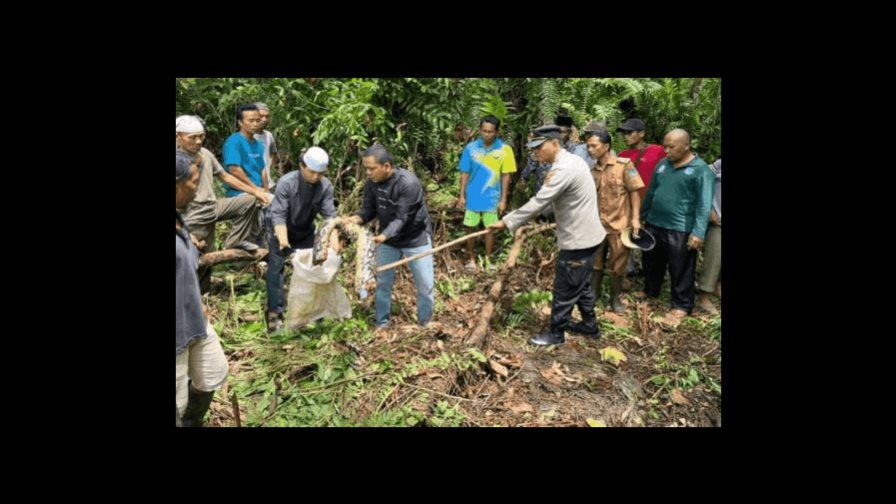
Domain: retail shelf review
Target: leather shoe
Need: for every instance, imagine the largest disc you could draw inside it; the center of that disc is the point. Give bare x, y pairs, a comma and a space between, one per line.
547, 338
591, 330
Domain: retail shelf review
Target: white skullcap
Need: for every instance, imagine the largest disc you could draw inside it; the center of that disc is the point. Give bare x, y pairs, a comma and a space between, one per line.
188, 124
316, 159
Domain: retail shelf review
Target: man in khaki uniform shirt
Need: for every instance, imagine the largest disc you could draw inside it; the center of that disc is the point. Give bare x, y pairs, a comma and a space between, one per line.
619, 202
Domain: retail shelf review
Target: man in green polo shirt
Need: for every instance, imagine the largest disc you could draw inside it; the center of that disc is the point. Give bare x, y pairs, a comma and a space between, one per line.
676, 212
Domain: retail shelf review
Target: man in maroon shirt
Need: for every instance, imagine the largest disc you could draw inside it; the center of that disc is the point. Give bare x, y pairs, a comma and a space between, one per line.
645, 157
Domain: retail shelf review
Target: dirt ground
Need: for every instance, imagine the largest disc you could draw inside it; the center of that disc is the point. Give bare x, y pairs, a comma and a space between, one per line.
567, 384
670, 376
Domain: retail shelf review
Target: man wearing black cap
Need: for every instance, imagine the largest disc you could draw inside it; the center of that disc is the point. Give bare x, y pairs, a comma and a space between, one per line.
569, 189
644, 155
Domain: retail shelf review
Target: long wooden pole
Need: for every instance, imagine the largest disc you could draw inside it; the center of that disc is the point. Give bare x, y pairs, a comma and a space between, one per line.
432, 251
236, 409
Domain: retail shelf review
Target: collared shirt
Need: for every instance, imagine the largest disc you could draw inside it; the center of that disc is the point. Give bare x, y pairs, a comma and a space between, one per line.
400, 206
680, 198
190, 322
270, 147
615, 181
570, 189
647, 164
202, 208
296, 204
485, 166
542, 169
581, 150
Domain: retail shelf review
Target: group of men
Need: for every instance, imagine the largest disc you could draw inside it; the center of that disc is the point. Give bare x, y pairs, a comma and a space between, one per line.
392, 195
600, 202
669, 189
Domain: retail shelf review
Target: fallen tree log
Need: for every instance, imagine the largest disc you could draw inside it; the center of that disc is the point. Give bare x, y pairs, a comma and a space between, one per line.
456, 383
477, 337
228, 255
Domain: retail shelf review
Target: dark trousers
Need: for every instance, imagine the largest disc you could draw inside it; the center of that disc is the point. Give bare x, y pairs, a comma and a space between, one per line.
671, 251
276, 263
572, 286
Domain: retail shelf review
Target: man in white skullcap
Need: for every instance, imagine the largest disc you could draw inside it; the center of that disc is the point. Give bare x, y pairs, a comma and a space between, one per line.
301, 195
206, 209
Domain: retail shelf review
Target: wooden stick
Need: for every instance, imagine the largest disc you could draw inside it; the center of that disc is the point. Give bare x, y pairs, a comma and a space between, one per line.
236, 409
433, 251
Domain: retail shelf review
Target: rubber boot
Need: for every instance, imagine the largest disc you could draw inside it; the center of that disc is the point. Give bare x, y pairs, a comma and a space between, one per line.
597, 282
615, 292
197, 405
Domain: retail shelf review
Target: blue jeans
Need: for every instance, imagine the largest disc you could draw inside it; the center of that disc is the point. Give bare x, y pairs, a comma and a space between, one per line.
423, 279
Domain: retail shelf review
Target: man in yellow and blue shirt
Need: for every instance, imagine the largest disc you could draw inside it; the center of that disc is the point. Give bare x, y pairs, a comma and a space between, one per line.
485, 165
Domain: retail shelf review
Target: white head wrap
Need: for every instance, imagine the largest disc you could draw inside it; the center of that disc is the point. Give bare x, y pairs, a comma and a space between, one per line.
188, 124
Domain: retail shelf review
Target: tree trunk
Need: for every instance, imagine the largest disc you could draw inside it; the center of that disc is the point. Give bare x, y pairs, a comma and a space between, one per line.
454, 381
228, 255
478, 336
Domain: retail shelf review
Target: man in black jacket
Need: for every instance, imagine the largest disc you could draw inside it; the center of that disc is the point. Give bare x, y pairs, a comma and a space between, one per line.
395, 197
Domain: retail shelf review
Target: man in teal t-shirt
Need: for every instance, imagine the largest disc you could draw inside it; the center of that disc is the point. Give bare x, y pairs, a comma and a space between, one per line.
243, 155
676, 212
